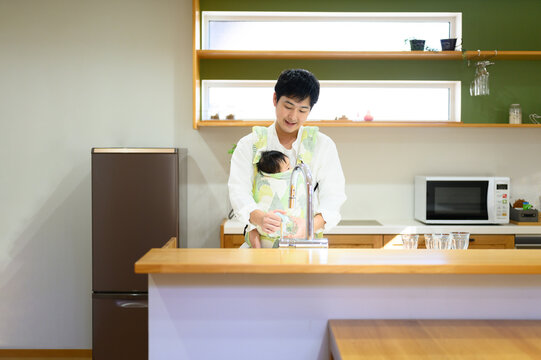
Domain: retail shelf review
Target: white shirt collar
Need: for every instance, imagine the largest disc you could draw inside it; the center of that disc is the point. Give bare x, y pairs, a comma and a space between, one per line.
274, 137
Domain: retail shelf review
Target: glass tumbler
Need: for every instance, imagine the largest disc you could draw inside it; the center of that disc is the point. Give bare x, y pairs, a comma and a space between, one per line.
429, 241
409, 241
442, 241
460, 240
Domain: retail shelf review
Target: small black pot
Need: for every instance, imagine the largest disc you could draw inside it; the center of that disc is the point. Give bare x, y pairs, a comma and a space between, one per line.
417, 45
448, 44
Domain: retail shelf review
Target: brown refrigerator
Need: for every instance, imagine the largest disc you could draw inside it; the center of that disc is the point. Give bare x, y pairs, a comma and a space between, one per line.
135, 207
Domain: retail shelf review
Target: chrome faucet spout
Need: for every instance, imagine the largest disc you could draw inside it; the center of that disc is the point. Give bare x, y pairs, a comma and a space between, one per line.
305, 170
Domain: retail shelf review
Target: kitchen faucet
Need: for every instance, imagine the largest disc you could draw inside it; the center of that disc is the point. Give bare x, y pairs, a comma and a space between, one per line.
309, 195
309, 241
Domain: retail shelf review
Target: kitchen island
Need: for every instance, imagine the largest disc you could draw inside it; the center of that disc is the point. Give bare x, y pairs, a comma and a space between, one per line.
275, 303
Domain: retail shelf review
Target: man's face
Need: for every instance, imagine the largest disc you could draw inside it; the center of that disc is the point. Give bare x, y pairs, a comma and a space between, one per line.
290, 113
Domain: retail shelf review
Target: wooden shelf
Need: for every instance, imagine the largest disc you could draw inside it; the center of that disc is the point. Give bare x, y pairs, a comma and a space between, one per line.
331, 55
502, 55
199, 54
370, 55
341, 123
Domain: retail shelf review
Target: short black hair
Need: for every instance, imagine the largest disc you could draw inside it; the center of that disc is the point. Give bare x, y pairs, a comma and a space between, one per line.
270, 161
297, 84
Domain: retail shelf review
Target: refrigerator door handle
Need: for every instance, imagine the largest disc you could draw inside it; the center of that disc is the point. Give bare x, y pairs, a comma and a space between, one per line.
126, 304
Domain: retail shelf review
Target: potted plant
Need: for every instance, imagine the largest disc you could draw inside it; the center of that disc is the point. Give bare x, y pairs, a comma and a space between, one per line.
416, 44
448, 44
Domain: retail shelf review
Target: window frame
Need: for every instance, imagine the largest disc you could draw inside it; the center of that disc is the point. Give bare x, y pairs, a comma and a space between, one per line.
454, 87
454, 19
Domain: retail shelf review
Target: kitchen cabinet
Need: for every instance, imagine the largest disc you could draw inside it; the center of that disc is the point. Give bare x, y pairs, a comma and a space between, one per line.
358, 241
375, 241
477, 241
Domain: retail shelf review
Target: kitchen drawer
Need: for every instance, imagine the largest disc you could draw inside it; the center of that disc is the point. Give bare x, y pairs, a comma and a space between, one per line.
489, 241
371, 241
232, 240
477, 241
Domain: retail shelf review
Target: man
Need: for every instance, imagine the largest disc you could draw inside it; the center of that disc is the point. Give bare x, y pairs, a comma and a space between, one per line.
296, 92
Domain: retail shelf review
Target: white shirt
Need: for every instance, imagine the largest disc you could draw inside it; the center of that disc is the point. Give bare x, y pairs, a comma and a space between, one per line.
325, 168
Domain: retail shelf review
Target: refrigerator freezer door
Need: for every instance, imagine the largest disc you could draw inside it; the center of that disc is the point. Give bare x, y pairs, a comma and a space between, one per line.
120, 327
135, 204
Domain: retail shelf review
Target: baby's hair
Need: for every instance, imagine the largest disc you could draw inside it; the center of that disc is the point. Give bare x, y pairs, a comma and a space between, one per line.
270, 161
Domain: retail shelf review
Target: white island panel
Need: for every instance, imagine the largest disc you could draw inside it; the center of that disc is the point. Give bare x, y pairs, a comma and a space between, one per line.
284, 316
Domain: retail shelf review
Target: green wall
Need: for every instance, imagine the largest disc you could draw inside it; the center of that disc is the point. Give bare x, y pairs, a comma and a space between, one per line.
486, 25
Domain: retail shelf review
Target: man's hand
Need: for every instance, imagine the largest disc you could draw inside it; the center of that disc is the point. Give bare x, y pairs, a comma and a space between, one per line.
319, 223
268, 221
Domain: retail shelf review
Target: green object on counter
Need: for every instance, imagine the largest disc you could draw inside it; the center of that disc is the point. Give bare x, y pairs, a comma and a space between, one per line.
526, 206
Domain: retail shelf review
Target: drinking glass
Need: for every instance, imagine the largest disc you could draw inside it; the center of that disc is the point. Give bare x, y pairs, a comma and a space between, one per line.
441, 241
409, 241
429, 241
480, 84
460, 240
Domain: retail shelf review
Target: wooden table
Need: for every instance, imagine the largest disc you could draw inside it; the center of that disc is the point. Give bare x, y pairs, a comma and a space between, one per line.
435, 339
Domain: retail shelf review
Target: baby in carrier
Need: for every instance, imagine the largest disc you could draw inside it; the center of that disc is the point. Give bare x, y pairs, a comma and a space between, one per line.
274, 169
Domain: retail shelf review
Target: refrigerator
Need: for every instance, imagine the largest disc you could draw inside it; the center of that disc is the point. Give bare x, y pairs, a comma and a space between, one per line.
136, 197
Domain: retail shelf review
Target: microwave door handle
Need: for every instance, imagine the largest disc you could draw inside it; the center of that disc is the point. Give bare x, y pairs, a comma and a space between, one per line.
491, 194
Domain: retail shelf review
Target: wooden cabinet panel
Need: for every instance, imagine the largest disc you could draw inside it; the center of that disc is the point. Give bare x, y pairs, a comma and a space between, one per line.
477, 241
370, 241
394, 240
232, 240
489, 241
335, 241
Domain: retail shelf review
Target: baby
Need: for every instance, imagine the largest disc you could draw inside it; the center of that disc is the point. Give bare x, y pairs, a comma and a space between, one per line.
271, 162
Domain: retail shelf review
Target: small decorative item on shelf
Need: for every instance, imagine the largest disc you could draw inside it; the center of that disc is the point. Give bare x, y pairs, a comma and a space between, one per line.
416, 44
215, 117
534, 118
515, 114
368, 116
523, 212
343, 117
448, 44
230, 117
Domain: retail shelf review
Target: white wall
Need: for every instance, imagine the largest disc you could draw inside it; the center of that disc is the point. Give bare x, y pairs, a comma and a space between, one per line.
73, 75
79, 74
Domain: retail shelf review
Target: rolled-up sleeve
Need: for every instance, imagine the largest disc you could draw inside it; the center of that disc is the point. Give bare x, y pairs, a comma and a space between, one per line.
330, 177
240, 180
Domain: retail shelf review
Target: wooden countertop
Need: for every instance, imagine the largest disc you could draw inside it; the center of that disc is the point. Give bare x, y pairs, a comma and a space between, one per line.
338, 261
435, 339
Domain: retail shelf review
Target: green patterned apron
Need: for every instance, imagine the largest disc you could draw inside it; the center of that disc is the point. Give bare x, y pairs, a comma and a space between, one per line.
271, 191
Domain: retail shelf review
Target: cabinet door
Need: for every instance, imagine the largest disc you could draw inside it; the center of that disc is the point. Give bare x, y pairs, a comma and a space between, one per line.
489, 241
370, 241
233, 240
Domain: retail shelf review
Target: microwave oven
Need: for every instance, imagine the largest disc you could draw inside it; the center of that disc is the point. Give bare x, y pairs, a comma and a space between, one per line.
462, 200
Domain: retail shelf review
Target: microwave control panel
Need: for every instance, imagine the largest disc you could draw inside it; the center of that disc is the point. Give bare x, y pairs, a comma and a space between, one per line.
502, 200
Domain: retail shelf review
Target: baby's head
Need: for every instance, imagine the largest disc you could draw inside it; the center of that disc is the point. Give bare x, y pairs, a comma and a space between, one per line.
273, 162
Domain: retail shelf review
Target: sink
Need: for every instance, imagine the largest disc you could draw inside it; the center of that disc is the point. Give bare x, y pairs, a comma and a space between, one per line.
359, 223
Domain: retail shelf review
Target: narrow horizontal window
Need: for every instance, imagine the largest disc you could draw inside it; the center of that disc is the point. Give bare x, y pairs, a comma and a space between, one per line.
328, 31
415, 101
